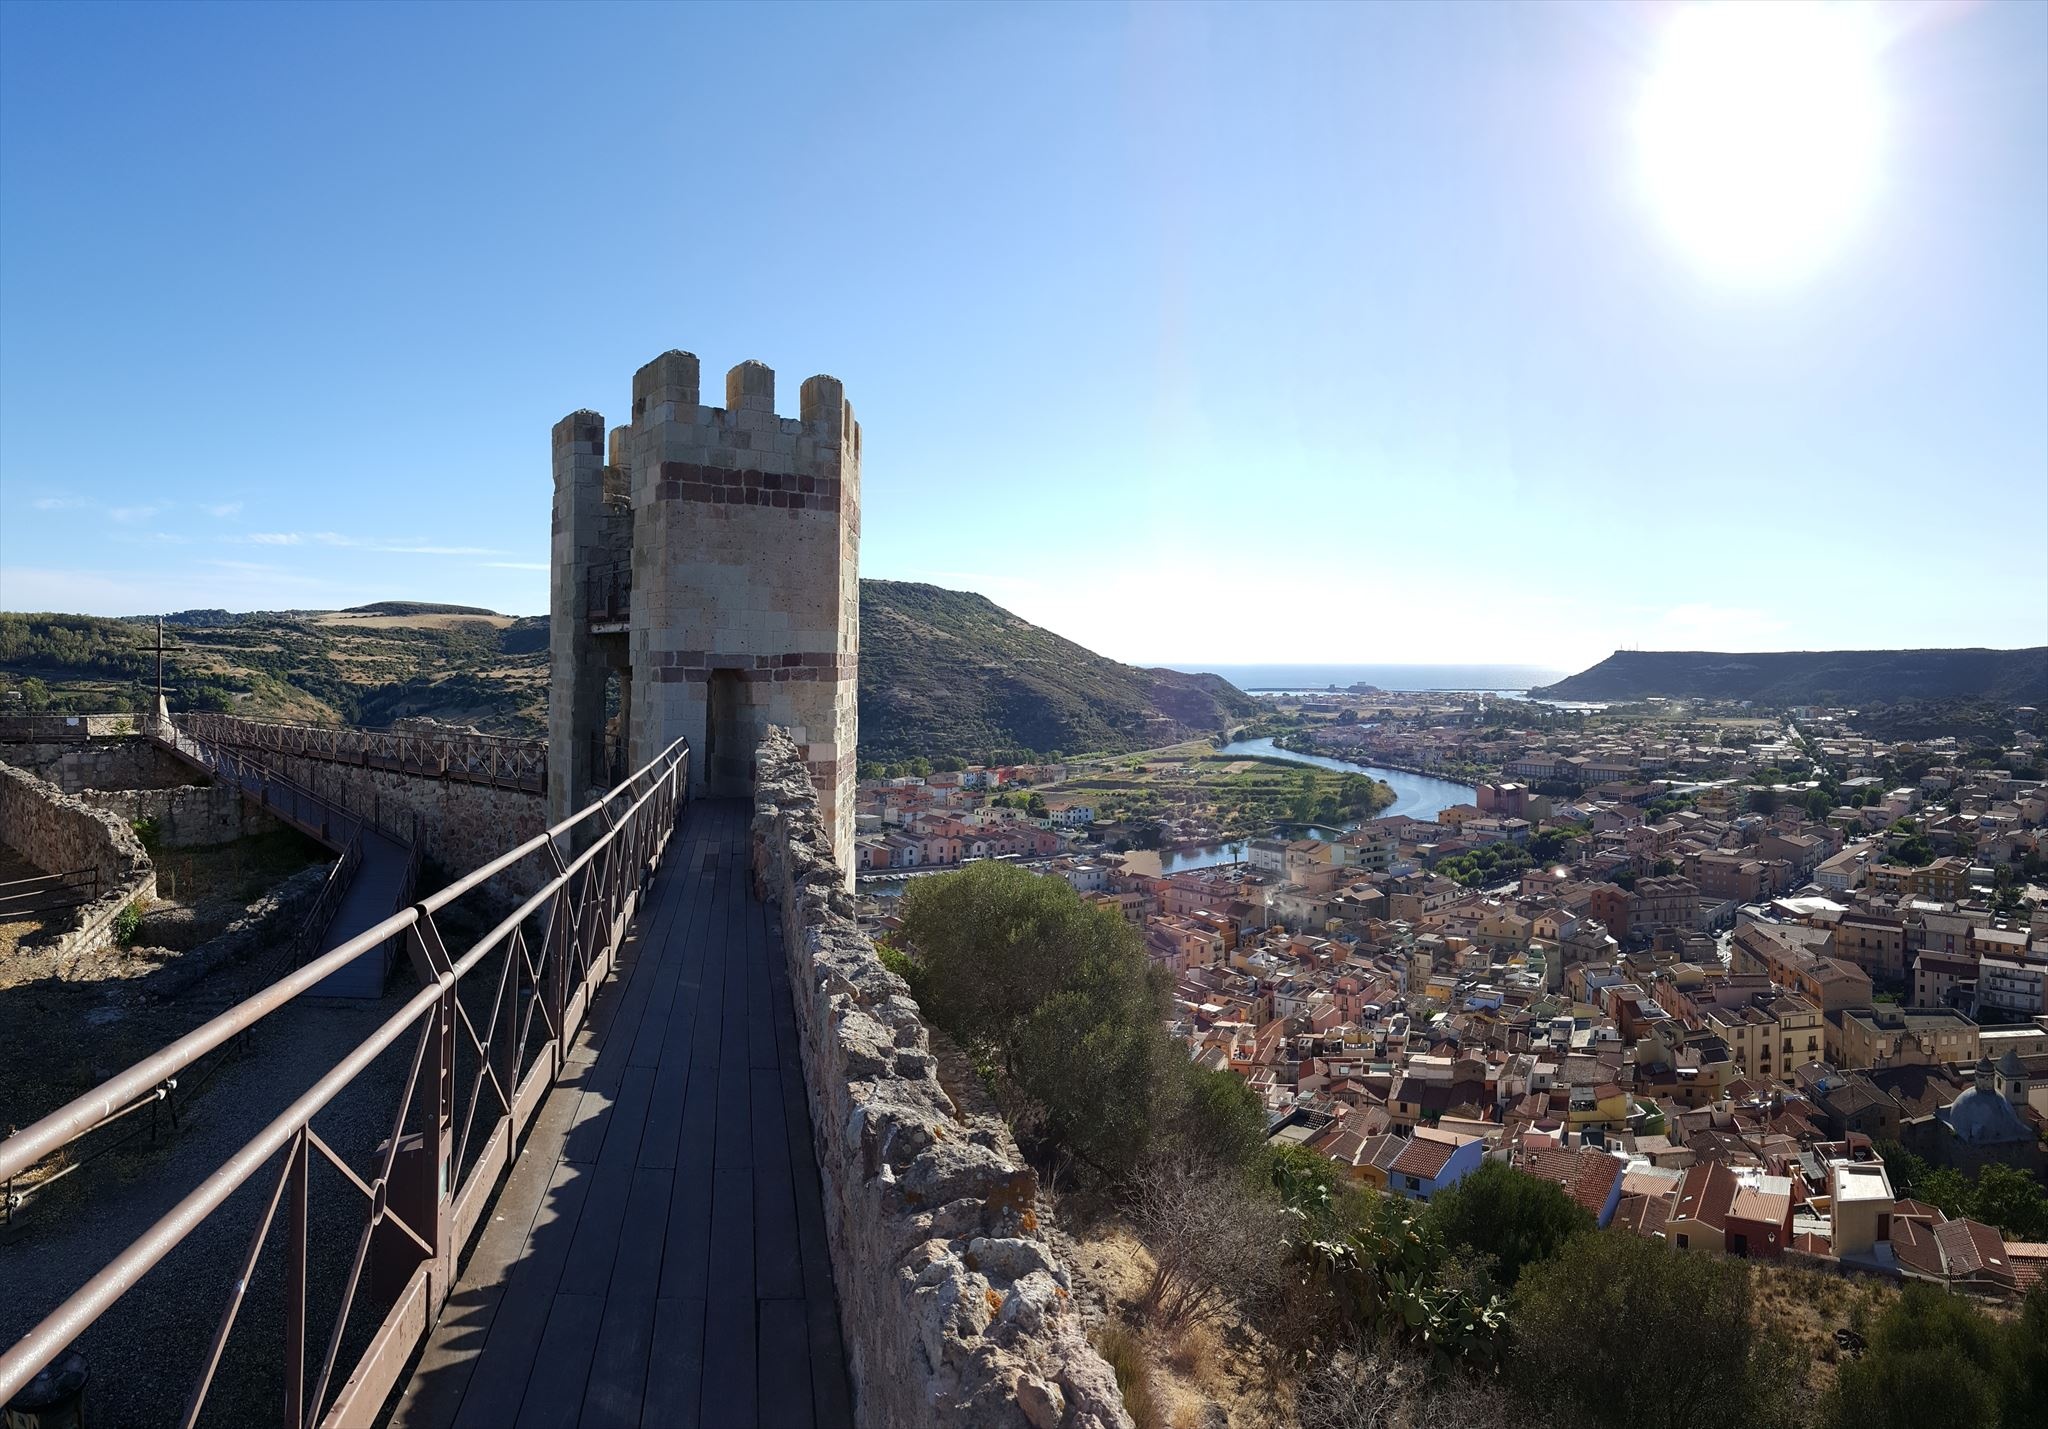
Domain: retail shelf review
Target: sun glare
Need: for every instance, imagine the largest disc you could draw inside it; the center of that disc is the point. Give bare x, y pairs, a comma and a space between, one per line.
1760, 132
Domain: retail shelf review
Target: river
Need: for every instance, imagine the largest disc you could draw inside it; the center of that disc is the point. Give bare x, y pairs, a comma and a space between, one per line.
1419, 796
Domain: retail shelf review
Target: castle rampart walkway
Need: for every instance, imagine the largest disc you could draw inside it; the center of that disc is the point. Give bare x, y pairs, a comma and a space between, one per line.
658, 1254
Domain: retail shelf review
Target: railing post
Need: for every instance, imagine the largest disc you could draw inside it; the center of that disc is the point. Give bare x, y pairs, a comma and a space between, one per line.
440, 1148
295, 1283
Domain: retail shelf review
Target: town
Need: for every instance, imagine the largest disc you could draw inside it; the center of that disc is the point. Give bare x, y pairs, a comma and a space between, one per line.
1744, 983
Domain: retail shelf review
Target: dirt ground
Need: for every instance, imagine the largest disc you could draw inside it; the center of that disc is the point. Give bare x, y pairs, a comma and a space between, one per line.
1211, 1376
72, 1021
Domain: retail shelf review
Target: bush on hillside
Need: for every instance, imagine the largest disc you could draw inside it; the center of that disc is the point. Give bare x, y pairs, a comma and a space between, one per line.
1621, 1331
1511, 1218
1936, 1360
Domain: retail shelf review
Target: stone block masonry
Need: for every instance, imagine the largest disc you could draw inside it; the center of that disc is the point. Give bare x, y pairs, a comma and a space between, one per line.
196, 816
461, 826
744, 540
60, 832
956, 1310
126, 761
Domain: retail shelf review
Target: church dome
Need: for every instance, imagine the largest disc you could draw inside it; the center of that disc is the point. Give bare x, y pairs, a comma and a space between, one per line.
1981, 1117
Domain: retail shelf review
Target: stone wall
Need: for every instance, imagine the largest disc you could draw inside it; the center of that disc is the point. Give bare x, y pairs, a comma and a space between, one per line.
59, 832
955, 1308
130, 762
461, 825
195, 816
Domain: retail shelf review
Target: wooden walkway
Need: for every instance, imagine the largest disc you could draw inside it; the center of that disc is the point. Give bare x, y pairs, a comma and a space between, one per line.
657, 1256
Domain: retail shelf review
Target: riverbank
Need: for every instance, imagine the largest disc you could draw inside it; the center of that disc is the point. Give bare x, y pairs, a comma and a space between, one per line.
1417, 795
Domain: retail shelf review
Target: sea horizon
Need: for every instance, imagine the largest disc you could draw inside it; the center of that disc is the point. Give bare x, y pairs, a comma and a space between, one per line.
1386, 677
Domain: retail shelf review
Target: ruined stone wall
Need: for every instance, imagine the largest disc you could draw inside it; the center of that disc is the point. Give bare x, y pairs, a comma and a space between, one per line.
196, 816
461, 825
956, 1310
134, 762
59, 832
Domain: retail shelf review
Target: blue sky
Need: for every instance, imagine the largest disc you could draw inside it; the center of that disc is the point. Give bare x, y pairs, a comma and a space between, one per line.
1201, 334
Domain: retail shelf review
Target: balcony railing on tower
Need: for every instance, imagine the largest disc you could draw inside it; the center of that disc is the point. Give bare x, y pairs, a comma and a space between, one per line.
609, 594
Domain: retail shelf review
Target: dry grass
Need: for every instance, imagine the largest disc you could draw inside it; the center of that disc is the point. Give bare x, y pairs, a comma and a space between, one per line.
1217, 1364
418, 622
1126, 1355
1810, 1305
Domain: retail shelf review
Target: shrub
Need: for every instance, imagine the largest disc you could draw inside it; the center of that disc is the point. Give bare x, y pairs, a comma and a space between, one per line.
150, 834
1512, 1218
127, 923
1622, 1331
1057, 994
1935, 1360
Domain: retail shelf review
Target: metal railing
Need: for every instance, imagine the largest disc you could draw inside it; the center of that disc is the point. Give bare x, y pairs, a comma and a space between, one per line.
288, 799
340, 874
608, 591
48, 893
469, 758
557, 946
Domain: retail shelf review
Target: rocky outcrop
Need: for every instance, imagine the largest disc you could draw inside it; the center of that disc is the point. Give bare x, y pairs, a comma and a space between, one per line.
59, 832
956, 1311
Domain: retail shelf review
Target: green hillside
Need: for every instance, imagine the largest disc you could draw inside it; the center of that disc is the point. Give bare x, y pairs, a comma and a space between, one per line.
942, 673
951, 672
1801, 677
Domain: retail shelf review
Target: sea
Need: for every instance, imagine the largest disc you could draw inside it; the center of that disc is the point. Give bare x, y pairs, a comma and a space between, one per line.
1488, 679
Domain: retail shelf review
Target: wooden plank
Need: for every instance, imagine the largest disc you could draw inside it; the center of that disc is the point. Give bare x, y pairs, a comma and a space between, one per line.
561, 1370
778, 1263
672, 1078
831, 1391
675, 1371
498, 1380
434, 1393
783, 1371
611, 1182
619, 1363
735, 1141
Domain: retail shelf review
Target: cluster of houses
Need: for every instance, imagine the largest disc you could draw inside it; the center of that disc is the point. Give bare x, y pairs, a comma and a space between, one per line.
1700, 1021
946, 819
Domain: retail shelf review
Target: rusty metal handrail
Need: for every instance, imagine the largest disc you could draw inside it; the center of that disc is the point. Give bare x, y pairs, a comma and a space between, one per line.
49, 892
340, 874
584, 908
290, 800
472, 758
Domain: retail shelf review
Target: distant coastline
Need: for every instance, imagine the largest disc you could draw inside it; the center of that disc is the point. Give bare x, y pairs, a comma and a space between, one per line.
1492, 678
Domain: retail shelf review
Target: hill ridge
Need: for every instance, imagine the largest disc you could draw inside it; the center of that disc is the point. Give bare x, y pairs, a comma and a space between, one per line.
1787, 677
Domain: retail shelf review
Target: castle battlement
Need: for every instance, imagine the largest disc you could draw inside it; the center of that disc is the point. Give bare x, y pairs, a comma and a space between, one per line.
740, 528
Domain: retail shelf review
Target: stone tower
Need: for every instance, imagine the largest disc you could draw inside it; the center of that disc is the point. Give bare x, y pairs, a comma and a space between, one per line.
706, 585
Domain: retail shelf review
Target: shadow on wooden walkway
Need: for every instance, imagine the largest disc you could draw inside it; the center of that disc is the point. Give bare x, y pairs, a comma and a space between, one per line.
657, 1256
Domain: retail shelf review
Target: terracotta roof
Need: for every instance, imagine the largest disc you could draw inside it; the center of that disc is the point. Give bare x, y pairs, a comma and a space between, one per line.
1705, 1195
1645, 1215
1588, 1177
1770, 1207
1973, 1248
1424, 1158
2029, 1262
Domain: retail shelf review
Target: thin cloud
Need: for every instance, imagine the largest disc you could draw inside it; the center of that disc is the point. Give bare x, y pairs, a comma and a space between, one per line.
400, 545
274, 538
513, 565
130, 515
225, 510
60, 503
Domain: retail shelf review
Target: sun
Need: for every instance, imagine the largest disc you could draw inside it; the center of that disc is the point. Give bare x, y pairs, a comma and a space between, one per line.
1760, 133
